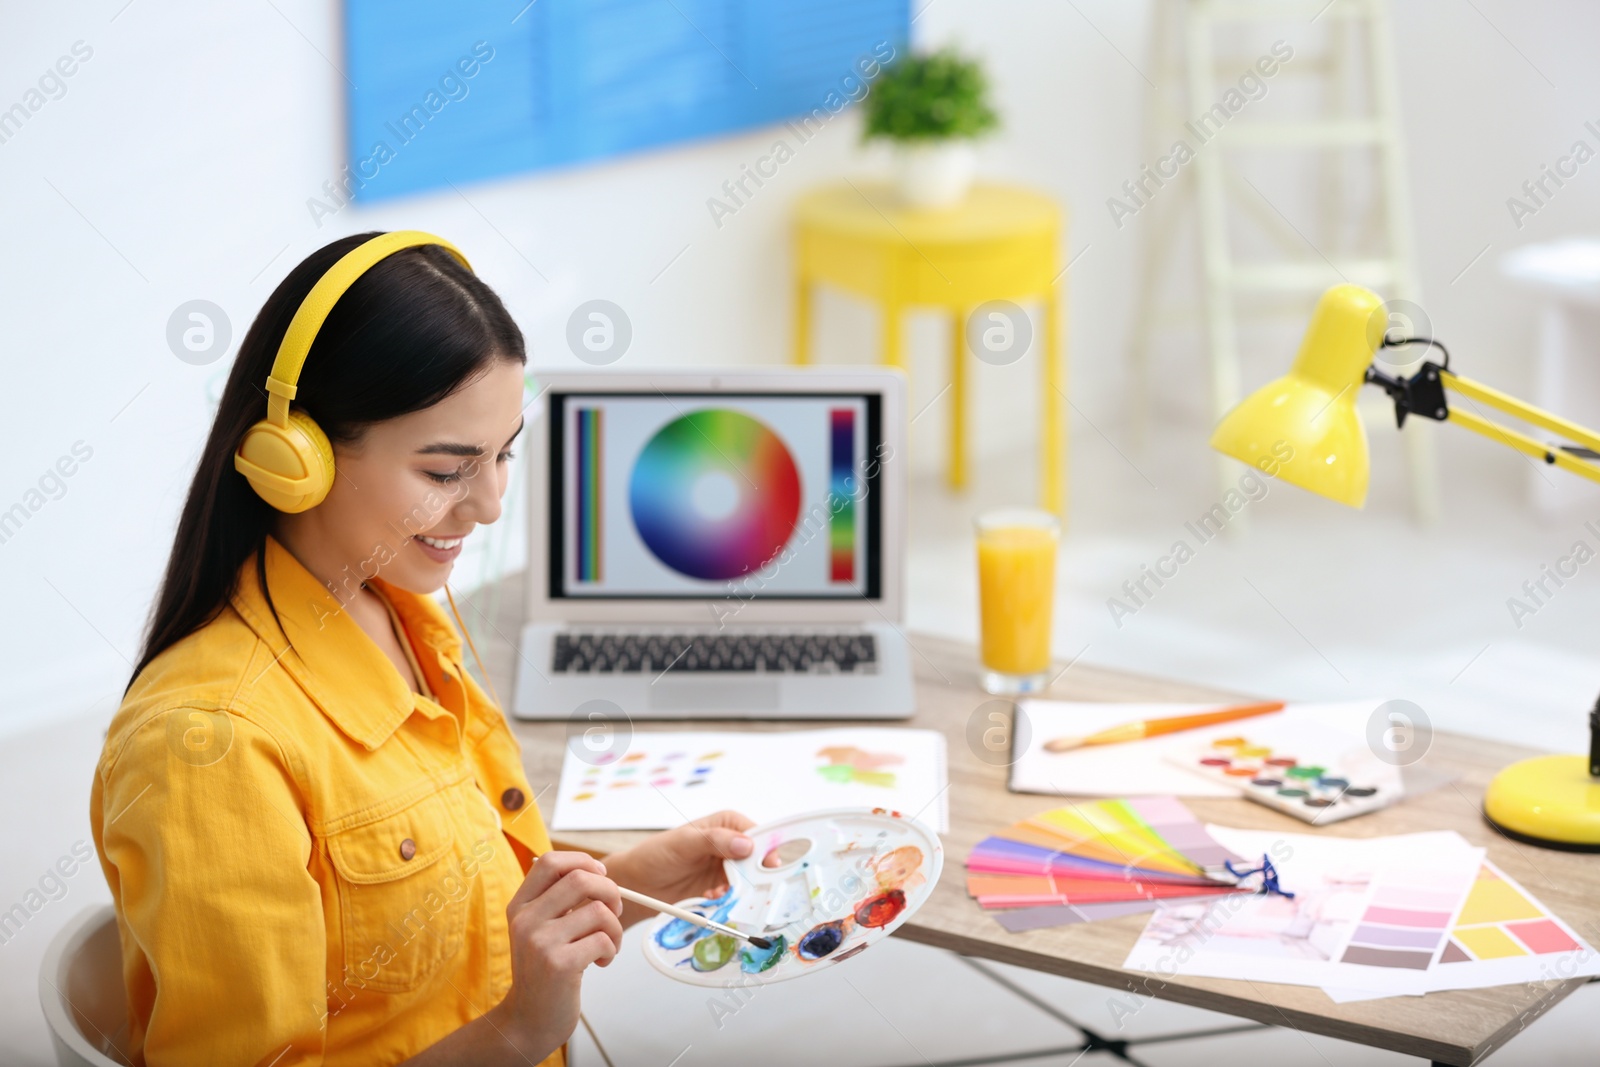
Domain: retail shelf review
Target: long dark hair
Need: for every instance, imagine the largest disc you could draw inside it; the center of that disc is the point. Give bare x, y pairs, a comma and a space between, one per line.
410, 331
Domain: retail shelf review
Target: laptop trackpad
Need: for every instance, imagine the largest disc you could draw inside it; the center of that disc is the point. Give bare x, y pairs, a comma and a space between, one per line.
722, 695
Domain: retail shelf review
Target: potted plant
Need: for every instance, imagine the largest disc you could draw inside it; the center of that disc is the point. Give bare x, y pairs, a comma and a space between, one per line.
931, 108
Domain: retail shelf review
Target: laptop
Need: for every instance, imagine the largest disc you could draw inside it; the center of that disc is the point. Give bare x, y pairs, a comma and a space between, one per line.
717, 544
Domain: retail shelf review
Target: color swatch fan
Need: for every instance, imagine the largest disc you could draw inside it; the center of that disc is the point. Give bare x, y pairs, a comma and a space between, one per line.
740, 484
1096, 860
820, 887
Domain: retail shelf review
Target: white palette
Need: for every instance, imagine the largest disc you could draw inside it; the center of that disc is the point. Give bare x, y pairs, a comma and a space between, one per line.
839, 881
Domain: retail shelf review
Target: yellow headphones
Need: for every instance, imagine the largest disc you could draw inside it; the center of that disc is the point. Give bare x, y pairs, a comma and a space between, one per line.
286, 456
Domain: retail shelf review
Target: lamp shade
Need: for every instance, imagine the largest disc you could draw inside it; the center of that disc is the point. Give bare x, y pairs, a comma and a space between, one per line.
1304, 427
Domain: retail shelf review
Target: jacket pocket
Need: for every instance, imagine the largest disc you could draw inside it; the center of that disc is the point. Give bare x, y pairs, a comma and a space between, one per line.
400, 902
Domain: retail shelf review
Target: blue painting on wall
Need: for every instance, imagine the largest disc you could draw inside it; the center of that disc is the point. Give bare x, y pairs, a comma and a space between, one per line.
470, 89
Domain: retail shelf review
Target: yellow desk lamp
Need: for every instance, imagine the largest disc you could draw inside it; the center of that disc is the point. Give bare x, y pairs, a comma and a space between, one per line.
1552, 801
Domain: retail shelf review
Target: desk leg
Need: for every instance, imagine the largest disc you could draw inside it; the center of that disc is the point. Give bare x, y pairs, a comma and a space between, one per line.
1052, 429
802, 319
958, 401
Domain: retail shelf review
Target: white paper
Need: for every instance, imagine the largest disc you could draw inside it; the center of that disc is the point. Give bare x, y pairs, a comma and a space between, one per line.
658, 780
1306, 940
1140, 768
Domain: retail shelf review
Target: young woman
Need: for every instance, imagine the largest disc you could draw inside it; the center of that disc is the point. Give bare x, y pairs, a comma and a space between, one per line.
316, 826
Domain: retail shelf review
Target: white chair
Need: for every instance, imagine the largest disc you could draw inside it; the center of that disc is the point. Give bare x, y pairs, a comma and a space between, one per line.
80, 987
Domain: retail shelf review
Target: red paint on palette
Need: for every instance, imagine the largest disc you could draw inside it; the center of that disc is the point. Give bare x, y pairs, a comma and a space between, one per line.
882, 909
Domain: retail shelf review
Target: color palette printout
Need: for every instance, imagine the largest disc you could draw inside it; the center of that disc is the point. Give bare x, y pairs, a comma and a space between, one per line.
1094, 860
1503, 934
656, 780
1387, 916
1362, 914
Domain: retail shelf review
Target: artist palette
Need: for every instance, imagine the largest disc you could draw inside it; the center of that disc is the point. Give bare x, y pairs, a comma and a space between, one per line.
1311, 787
822, 887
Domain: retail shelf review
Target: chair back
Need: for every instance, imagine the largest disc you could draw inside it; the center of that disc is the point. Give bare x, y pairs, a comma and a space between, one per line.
81, 990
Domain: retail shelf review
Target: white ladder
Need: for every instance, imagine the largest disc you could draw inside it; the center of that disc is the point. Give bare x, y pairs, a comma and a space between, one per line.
1305, 271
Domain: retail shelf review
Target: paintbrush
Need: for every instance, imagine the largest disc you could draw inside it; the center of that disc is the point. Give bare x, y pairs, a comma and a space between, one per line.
688, 916
1138, 731
628, 894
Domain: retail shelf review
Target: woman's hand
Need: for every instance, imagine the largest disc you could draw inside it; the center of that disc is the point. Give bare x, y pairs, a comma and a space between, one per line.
682, 862
565, 916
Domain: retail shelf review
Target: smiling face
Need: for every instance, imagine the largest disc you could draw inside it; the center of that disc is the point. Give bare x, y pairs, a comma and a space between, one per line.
410, 490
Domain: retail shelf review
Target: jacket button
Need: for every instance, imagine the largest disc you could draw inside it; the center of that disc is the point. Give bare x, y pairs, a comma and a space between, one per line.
408, 848
513, 799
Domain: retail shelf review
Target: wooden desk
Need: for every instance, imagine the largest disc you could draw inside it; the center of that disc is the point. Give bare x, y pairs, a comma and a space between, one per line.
1452, 1028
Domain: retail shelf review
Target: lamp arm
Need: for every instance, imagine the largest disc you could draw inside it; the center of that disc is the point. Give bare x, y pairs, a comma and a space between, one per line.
1528, 446
1558, 457
1521, 410
1423, 395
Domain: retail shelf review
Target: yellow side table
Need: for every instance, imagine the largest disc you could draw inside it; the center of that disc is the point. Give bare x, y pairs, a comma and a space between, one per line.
1001, 243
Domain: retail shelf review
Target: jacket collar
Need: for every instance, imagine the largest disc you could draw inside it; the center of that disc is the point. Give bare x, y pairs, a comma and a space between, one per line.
329, 655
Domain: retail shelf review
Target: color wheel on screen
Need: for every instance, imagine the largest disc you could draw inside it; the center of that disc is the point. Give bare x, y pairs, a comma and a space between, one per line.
715, 494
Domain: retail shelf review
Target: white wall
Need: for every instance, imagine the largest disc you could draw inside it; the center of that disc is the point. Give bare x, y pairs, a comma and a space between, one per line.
178, 163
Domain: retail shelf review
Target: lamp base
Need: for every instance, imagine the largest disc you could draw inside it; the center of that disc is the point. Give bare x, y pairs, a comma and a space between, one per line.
1551, 801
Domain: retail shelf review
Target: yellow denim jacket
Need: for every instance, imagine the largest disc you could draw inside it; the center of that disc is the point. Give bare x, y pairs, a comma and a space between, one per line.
310, 862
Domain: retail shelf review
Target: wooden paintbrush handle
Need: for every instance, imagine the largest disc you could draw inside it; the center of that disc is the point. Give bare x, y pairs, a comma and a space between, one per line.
1156, 727
679, 913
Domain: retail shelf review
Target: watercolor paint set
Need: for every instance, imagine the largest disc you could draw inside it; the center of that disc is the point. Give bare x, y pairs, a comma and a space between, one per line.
1314, 783
820, 887
1095, 860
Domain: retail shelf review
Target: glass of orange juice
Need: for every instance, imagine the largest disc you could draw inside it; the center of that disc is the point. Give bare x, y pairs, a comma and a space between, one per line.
1016, 588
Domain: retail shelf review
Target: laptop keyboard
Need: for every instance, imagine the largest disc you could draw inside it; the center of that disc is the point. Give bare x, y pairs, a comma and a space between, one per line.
655, 653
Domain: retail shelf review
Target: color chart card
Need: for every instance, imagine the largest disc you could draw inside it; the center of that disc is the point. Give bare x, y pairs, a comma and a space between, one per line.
1407, 912
1503, 934
663, 779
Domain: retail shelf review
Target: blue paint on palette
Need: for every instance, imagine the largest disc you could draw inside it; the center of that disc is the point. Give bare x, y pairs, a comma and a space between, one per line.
754, 960
681, 933
820, 940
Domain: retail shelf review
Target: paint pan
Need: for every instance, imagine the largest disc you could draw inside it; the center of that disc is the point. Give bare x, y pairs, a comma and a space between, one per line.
822, 887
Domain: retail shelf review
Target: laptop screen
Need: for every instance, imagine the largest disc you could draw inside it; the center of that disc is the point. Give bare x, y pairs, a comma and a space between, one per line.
680, 495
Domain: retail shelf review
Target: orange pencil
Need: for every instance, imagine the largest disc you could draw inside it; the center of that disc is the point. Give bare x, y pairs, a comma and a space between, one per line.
1137, 731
